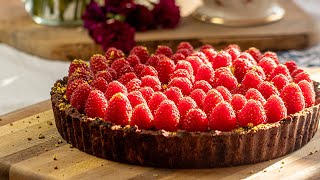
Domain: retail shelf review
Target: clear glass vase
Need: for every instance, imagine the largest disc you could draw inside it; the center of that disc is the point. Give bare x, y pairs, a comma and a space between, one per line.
56, 12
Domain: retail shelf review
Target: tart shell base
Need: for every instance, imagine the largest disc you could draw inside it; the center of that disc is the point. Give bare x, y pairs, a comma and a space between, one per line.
183, 149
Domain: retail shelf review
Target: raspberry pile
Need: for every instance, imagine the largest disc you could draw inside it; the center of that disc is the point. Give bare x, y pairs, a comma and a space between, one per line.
190, 90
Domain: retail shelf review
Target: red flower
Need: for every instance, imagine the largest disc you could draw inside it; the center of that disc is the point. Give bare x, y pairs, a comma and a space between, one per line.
93, 14
140, 18
166, 14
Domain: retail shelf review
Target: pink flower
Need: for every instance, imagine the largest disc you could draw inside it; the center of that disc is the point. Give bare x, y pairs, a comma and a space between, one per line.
166, 14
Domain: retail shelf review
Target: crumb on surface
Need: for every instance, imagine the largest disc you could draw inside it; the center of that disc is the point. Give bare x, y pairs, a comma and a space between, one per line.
29, 138
55, 157
41, 136
38, 116
11, 124
56, 167
49, 123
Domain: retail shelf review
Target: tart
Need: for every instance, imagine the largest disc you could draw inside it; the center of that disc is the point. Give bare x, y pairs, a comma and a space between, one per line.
188, 109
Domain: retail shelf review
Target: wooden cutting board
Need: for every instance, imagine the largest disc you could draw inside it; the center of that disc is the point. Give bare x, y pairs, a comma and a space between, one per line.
25, 155
297, 30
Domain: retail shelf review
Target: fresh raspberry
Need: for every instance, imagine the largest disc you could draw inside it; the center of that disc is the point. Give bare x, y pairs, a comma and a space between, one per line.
280, 81
308, 92
223, 117
79, 96
155, 59
178, 57
72, 86
225, 93
142, 117
256, 95
185, 45
248, 57
228, 81
124, 70
151, 81
185, 52
119, 109
259, 71
233, 52
241, 67
133, 60
113, 54
268, 65
141, 52
296, 72
182, 73
113, 88
251, 80
195, 62
205, 47
195, 120
255, 53
185, 65
167, 116
165, 50
133, 84
271, 55
202, 56
198, 95
112, 72
302, 76
165, 68
118, 64
239, 90
182, 83
106, 75
205, 72
136, 98
212, 99
210, 54
252, 113
230, 46
280, 69
291, 65
293, 98
78, 63
275, 109
100, 84
146, 93
238, 101
267, 89
174, 94
79, 73
185, 104
149, 70
155, 101
202, 84
138, 69
222, 59
223, 70
127, 78
98, 63
96, 105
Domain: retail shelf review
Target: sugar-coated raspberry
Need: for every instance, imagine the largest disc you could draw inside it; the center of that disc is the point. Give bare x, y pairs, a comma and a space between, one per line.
136, 98
79, 96
178, 57
255, 53
182, 83
185, 52
205, 72
96, 105
222, 59
138, 69
241, 67
293, 98
259, 71
112, 72
251, 80
184, 65
223, 70
210, 54
291, 65
78, 63
233, 46
211, 100
133, 84
182, 73
151, 81
79, 73
149, 70
280, 69
275, 109
252, 113
238, 101
302, 76
198, 95
142, 117
280, 81
267, 89
124, 70
226, 80
133, 60
119, 109
225, 93
72, 86
195, 120
155, 100
165, 50
206, 46
256, 95
202, 84
119, 63
248, 57
167, 116
223, 117
296, 72
271, 55
195, 62
146, 93
105, 75
155, 59
127, 78
233, 52
268, 65
113, 54
202, 56
141, 52
185, 104
113, 88
100, 84
98, 63
174, 94
185, 45
308, 92
165, 68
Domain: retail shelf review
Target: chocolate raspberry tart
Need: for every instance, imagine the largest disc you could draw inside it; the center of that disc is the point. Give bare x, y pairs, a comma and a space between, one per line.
188, 109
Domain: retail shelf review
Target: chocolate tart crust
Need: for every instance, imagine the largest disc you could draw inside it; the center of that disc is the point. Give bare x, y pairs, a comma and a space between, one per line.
183, 149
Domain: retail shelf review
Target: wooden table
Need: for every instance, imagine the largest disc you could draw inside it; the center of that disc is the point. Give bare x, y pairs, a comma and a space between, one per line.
31, 148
